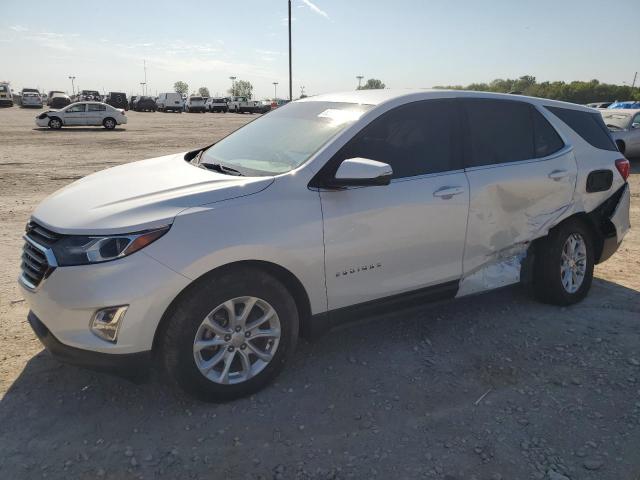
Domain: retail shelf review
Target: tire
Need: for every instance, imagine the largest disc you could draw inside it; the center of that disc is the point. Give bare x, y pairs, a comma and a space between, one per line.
184, 325
551, 276
109, 123
55, 123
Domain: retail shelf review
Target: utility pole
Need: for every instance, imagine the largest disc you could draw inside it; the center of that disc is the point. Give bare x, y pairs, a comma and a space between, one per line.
275, 90
301, 91
73, 88
290, 74
144, 66
143, 84
233, 86
359, 77
634, 81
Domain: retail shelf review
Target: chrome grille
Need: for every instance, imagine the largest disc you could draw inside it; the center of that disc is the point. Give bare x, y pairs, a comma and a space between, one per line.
37, 260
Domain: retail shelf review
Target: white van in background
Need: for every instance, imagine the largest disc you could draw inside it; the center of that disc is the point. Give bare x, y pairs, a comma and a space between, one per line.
170, 101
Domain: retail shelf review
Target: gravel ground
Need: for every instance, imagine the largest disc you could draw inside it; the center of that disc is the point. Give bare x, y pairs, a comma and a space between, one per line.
491, 387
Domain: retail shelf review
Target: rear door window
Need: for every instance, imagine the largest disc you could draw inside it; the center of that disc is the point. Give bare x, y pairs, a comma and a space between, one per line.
589, 126
415, 139
500, 131
546, 139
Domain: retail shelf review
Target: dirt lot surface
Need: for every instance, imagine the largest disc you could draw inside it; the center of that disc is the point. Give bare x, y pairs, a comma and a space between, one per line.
491, 387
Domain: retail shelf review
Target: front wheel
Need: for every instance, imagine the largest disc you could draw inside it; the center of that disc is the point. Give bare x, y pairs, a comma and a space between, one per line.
230, 335
563, 269
109, 123
55, 124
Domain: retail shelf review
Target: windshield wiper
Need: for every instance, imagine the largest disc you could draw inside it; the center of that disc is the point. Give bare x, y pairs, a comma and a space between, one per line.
218, 167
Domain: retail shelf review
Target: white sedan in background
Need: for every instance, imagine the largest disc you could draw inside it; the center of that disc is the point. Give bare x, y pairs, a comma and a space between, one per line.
624, 126
83, 114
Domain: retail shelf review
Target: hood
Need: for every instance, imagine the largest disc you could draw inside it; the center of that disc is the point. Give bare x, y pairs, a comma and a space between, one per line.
139, 196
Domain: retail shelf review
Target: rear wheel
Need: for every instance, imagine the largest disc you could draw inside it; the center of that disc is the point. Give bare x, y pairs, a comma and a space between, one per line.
109, 123
229, 336
55, 123
563, 271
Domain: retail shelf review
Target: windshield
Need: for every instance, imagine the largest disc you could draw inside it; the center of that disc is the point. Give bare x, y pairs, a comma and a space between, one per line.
616, 120
284, 139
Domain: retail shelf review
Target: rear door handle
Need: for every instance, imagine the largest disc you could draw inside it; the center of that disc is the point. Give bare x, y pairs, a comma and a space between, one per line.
448, 192
558, 175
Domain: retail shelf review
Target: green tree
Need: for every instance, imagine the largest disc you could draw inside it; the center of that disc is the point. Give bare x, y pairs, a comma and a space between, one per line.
372, 84
576, 91
242, 88
203, 92
181, 87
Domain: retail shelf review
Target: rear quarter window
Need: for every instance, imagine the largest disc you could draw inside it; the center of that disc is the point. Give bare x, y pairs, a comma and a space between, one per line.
586, 124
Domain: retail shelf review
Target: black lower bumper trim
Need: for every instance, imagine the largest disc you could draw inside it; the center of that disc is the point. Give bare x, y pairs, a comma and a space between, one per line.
134, 366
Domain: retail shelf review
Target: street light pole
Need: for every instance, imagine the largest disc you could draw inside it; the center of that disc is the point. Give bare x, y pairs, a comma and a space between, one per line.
359, 77
73, 88
290, 74
233, 86
275, 90
143, 84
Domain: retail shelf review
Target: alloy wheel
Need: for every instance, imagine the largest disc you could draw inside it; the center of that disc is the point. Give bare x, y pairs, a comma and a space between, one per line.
237, 340
573, 264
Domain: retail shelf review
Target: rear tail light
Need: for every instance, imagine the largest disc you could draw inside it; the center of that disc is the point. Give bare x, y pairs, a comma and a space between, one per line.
623, 166
122, 112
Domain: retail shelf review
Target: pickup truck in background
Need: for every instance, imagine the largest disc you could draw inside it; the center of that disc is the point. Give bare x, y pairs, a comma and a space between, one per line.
242, 105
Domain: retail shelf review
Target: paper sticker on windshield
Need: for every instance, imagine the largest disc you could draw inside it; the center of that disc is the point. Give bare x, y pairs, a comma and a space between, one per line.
341, 116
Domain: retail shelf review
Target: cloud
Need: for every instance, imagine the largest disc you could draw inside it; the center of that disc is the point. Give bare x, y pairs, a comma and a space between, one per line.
18, 28
315, 9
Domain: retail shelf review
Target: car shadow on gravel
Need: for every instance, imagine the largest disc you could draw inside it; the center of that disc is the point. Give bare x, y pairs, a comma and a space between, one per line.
495, 384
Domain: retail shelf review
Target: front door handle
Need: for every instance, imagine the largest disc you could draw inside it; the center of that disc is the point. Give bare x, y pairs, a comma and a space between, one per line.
558, 175
448, 192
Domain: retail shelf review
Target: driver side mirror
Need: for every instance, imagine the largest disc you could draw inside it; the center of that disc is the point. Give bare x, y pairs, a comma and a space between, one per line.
635, 125
361, 172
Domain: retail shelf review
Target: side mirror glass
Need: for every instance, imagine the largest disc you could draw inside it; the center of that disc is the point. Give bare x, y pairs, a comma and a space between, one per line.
362, 172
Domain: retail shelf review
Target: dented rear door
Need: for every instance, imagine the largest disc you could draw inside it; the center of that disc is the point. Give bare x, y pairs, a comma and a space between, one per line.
513, 199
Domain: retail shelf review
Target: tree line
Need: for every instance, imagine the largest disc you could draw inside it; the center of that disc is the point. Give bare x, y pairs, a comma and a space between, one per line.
576, 91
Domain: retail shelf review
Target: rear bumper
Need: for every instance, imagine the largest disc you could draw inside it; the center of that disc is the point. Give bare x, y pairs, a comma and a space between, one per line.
130, 365
5, 102
615, 222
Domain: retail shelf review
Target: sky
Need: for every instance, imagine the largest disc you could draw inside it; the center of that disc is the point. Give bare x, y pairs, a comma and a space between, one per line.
405, 43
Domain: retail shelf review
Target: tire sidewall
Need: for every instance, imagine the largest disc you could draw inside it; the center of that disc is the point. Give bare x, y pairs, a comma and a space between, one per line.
54, 120
105, 123
197, 303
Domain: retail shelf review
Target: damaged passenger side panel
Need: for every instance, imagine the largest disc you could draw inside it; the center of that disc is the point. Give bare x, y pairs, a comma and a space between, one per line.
510, 206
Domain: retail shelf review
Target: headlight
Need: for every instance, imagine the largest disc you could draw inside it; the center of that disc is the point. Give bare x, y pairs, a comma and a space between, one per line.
83, 250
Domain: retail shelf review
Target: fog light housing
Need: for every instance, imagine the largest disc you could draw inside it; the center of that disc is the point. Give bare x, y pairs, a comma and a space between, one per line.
106, 322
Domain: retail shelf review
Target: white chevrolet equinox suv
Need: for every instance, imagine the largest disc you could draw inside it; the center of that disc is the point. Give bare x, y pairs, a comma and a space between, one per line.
212, 263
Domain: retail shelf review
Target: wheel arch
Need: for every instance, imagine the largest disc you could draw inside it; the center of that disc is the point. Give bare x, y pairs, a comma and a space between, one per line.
591, 222
283, 275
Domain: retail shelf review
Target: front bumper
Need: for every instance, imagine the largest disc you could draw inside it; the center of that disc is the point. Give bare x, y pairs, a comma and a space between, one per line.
67, 299
5, 102
132, 365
